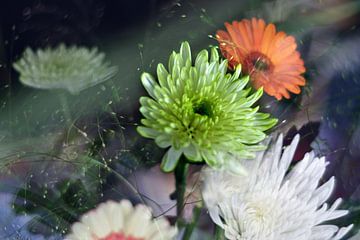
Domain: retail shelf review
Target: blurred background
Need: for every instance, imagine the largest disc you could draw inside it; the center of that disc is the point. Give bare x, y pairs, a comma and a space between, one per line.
58, 159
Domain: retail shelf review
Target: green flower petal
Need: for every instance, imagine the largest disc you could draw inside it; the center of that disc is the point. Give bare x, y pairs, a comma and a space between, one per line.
201, 60
170, 160
162, 75
210, 158
254, 97
214, 55
149, 83
185, 53
192, 153
147, 132
163, 141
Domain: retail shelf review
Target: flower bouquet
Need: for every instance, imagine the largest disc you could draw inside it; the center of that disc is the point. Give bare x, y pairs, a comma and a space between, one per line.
236, 120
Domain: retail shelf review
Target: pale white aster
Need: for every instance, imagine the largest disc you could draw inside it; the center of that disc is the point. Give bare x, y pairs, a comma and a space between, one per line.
71, 68
121, 221
274, 202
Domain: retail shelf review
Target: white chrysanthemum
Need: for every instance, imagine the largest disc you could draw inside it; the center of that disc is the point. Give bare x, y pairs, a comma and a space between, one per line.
273, 202
121, 221
71, 68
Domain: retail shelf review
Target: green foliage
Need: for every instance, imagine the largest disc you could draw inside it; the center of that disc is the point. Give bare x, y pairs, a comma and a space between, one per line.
57, 206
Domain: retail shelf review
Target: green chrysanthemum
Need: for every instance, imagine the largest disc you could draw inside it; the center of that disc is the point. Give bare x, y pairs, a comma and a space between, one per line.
71, 68
201, 111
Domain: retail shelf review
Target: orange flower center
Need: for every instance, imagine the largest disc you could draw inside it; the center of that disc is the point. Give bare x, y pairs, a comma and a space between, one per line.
119, 236
257, 62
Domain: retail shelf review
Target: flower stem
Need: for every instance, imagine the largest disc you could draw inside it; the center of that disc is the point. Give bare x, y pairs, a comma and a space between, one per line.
191, 226
181, 172
219, 233
65, 105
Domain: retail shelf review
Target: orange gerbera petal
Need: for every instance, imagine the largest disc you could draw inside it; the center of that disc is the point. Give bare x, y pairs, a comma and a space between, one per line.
241, 30
269, 35
232, 53
269, 57
257, 27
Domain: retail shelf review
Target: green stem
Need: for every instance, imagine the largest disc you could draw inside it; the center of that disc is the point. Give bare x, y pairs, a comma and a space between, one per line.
219, 233
65, 106
191, 226
181, 172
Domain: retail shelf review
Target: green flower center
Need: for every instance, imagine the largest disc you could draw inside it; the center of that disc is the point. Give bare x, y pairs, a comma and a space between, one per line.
204, 108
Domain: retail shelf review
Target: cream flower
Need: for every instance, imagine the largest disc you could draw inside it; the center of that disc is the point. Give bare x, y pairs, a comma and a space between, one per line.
273, 202
121, 221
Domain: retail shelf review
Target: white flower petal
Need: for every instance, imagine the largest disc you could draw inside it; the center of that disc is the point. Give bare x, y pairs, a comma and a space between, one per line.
273, 202
124, 219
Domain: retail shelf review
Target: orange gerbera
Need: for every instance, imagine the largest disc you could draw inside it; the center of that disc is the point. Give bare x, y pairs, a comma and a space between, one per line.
270, 58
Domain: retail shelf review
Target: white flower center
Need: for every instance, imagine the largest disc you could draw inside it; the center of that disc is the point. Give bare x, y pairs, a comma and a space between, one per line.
256, 218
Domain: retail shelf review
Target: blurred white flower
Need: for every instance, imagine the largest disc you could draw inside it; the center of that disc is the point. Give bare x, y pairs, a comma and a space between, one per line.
274, 202
113, 220
71, 68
